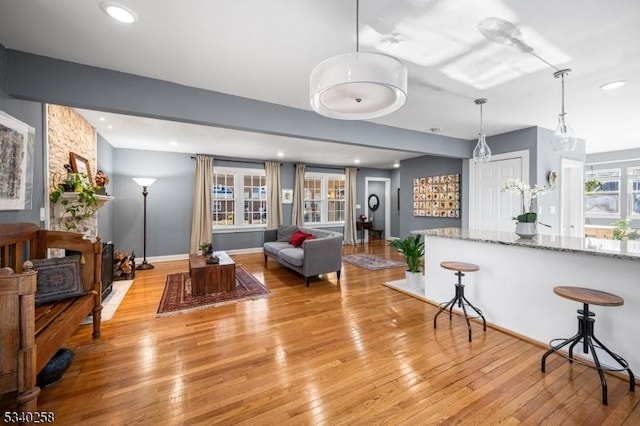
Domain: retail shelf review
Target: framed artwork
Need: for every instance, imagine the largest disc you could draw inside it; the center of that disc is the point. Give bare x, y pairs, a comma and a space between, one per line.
80, 165
16, 165
287, 196
437, 196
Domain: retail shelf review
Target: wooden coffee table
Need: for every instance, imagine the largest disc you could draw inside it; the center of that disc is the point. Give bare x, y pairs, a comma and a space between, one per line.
211, 278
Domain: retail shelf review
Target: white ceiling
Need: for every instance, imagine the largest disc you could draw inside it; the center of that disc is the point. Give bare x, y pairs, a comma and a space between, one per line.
265, 50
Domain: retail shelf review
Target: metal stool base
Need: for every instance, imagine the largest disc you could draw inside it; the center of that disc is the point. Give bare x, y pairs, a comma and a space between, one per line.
462, 303
586, 336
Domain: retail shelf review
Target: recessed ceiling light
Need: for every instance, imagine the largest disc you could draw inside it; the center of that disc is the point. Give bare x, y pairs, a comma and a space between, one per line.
396, 165
119, 12
101, 118
280, 154
357, 161
173, 143
109, 126
613, 85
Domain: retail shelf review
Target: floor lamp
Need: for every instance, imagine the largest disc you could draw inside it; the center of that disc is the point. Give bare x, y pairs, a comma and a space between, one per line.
144, 183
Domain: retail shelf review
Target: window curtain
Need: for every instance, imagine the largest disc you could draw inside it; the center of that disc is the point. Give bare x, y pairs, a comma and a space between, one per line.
274, 194
350, 231
201, 220
297, 210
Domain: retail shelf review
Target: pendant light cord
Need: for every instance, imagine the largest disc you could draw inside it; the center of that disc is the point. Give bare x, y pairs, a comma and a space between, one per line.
357, 26
481, 126
562, 97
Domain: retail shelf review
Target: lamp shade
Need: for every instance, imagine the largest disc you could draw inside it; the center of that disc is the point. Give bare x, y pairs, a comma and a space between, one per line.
358, 86
144, 181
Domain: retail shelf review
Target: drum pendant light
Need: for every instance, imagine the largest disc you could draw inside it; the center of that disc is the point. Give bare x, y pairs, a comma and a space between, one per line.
358, 86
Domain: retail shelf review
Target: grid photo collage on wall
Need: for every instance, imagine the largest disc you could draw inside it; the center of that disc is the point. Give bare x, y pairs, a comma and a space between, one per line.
437, 196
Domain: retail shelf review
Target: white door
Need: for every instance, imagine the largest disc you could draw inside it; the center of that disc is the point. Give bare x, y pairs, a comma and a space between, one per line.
490, 208
571, 198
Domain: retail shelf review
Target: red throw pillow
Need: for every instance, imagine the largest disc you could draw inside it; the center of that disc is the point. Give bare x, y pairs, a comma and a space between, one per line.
297, 238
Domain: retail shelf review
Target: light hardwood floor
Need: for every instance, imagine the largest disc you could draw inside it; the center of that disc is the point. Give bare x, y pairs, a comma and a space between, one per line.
353, 352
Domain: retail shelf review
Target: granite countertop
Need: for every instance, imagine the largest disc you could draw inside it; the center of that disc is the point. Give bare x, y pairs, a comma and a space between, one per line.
595, 246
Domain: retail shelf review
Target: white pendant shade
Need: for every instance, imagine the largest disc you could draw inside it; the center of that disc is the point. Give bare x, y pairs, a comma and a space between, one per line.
144, 181
358, 86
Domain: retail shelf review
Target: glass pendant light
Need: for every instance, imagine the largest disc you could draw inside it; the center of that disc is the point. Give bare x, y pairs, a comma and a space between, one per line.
563, 139
482, 152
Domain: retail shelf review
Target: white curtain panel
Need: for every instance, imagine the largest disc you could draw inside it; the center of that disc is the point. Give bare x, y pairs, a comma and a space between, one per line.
350, 231
297, 210
274, 194
201, 220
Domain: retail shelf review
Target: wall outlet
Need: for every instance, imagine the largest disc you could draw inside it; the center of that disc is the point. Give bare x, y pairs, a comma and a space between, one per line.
552, 209
42, 214
358, 206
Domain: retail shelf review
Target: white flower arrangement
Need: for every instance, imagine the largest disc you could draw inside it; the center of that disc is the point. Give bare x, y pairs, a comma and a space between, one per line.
528, 194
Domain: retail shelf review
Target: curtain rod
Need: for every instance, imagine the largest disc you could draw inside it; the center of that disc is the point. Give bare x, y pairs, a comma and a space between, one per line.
326, 167
193, 157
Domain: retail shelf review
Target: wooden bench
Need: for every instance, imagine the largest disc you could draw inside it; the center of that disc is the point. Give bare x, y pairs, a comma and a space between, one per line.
31, 335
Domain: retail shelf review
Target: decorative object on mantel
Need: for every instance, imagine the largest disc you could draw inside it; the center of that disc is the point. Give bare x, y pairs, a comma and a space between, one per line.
482, 152
437, 196
78, 197
527, 219
358, 86
101, 181
144, 183
80, 166
412, 250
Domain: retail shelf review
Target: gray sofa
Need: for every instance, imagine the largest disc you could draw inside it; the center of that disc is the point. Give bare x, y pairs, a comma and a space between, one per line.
319, 255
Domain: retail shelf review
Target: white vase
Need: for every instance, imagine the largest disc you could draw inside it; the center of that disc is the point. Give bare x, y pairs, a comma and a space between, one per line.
413, 280
526, 230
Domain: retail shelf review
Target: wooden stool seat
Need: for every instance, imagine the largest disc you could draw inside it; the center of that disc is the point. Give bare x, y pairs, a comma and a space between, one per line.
459, 266
589, 296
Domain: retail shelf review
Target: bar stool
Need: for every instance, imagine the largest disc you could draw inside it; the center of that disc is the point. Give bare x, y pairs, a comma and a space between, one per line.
459, 298
585, 333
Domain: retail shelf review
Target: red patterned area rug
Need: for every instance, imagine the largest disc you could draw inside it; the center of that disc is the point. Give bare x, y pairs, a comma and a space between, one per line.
177, 298
371, 262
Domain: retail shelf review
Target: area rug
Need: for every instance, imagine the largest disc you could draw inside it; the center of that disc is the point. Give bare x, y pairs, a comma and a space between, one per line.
371, 262
111, 303
177, 298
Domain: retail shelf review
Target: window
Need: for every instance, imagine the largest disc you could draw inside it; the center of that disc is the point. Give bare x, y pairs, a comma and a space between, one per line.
634, 191
324, 200
602, 193
239, 197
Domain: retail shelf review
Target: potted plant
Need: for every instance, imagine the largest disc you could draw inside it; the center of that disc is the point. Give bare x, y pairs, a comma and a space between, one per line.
526, 221
412, 250
206, 248
75, 210
623, 231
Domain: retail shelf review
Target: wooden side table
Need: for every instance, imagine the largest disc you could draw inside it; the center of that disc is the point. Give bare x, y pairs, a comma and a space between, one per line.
211, 278
361, 225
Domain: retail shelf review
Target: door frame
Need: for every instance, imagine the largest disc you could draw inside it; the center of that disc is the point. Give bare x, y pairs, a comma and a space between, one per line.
387, 200
568, 163
523, 155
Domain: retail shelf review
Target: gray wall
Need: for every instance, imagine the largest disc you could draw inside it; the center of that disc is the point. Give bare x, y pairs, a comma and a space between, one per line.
30, 113
614, 160
421, 167
106, 214
169, 202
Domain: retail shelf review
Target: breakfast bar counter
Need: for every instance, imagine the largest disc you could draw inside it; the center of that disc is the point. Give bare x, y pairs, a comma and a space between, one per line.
514, 286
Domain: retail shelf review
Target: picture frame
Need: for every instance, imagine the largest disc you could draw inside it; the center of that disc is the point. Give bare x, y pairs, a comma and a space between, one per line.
80, 165
287, 196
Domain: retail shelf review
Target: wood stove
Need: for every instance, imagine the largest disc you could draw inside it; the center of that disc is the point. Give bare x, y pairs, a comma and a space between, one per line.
107, 269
